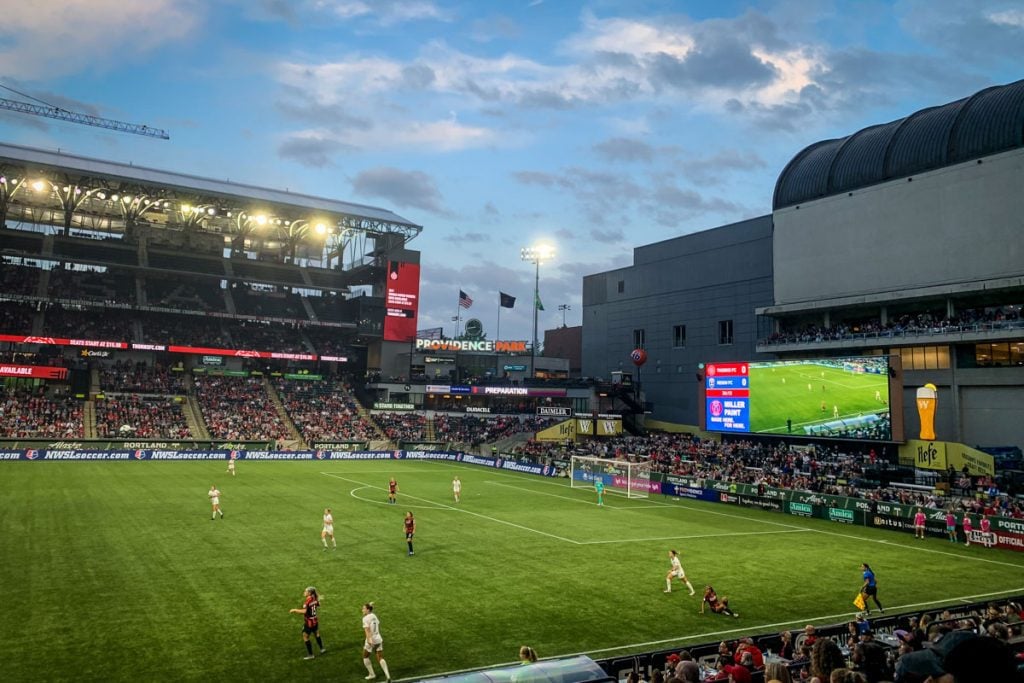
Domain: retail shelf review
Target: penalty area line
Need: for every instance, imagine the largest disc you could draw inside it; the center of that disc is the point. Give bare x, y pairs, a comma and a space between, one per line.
683, 538
442, 506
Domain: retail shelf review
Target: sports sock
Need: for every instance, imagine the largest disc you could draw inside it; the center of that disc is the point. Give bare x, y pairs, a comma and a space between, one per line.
409, 543
690, 586
319, 643
309, 647
369, 667
668, 584
384, 666
324, 540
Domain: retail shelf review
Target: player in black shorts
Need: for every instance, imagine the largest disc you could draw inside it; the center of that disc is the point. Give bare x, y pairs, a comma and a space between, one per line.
392, 490
410, 530
311, 620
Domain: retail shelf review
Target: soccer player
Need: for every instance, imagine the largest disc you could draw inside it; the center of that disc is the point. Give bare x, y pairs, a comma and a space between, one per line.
410, 529
215, 502
676, 571
919, 524
231, 465
878, 395
951, 526
599, 487
870, 588
835, 411
718, 605
374, 642
311, 621
328, 529
456, 488
986, 532
392, 490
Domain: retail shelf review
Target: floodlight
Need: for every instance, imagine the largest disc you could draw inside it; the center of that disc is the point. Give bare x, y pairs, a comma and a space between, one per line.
114, 197
2, 180
127, 199
229, 214
321, 228
261, 219
38, 185
211, 211
101, 195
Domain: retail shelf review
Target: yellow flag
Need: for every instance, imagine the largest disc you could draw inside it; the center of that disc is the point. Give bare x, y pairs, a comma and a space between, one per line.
859, 603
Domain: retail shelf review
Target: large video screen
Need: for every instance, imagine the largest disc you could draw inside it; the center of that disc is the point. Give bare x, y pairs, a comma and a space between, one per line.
845, 398
402, 303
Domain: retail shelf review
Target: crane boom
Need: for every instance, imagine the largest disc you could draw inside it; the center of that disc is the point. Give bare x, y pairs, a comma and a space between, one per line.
84, 119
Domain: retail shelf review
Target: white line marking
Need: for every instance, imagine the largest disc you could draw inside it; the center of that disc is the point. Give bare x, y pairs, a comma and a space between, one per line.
710, 634
449, 507
384, 502
674, 538
923, 550
553, 495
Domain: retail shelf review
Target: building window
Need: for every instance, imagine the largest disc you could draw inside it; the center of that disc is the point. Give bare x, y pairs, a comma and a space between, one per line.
725, 332
678, 336
639, 339
622, 286
999, 355
925, 357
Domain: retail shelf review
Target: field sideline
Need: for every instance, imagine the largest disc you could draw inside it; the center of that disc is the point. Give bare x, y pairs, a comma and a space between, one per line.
115, 570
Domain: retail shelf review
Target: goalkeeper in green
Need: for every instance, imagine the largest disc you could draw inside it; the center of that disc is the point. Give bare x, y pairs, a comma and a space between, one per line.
599, 487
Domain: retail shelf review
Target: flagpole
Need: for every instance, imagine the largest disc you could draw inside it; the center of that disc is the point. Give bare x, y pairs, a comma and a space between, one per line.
458, 316
497, 332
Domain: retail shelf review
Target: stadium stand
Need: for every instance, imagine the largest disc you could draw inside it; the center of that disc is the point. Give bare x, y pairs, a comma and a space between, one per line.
137, 417
263, 334
273, 304
238, 408
327, 341
189, 296
474, 431
26, 413
323, 411
16, 317
108, 324
140, 378
112, 286
22, 280
185, 330
402, 426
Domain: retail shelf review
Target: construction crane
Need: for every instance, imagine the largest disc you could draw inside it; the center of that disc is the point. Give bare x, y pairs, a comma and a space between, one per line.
55, 112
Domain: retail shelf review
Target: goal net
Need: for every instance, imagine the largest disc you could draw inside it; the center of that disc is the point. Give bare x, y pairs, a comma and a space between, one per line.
620, 476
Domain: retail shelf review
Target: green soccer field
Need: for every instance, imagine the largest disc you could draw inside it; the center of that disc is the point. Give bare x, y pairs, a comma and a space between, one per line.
781, 393
114, 571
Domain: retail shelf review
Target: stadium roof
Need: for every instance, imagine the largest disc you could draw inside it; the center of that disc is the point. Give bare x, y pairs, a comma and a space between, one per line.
370, 218
988, 122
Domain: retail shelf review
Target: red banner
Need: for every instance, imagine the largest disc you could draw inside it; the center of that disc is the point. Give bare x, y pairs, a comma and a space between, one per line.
402, 302
240, 353
62, 341
35, 371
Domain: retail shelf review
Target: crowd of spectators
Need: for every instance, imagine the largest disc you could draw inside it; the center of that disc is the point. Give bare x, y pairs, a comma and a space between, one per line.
98, 324
238, 408
323, 411
903, 325
328, 341
129, 377
402, 426
265, 336
187, 296
131, 417
183, 330
473, 431
113, 286
16, 317
33, 413
23, 280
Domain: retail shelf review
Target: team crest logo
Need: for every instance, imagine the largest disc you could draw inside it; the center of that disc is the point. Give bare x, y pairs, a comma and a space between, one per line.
396, 455
247, 354
31, 454
233, 455
497, 463
458, 457
547, 470
716, 408
319, 455
711, 371
139, 454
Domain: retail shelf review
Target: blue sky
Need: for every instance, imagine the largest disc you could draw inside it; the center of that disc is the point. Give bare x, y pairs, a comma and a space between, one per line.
598, 126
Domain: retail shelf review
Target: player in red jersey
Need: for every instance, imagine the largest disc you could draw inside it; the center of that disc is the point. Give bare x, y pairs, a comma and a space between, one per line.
410, 530
311, 620
392, 490
717, 605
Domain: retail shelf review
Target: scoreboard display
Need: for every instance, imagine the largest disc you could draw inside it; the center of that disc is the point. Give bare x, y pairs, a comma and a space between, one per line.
844, 398
727, 394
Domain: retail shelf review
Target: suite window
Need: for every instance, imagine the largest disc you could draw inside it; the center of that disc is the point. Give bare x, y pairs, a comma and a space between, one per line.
622, 286
725, 332
678, 336
639, 339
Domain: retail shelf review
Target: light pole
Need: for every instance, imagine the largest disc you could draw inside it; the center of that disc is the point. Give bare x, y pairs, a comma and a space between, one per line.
535, 255
563, 308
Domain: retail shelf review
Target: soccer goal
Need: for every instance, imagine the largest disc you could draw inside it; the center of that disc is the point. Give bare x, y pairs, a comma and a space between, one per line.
619, 476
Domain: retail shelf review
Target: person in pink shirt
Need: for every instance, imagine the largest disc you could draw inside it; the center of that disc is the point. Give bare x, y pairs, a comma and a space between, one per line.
919, 524
986, 532
968, 528
951, 526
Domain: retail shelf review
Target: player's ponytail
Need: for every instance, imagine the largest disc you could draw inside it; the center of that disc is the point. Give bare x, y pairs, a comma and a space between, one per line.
368, 606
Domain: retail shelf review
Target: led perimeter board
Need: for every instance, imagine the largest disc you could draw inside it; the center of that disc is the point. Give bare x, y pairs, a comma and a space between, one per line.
846, 398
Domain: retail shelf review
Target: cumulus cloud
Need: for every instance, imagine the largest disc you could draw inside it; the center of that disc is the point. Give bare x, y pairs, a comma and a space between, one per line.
413, 189
467, 237
59, 37
309, 150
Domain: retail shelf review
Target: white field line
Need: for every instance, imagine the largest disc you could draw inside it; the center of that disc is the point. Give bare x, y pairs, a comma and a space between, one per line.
683, 538
552, 495
384, 502
449, 507
714, 634
787, 526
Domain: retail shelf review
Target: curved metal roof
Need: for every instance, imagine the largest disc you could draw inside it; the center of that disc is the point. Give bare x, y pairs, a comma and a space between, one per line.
987, 122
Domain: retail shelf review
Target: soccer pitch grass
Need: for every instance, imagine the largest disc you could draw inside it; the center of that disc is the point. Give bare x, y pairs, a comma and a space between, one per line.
781, 393
114, 571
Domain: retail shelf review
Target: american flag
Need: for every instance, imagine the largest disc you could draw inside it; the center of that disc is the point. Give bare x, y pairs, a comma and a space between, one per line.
464, 300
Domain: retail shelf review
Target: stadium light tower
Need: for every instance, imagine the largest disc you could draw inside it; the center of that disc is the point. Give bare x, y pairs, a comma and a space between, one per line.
534, 255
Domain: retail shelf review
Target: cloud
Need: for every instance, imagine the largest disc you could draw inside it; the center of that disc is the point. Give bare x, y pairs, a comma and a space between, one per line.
625, 150
710, 170
60, 37
467, 237
608, 236
312, 151
495, 28
413, 189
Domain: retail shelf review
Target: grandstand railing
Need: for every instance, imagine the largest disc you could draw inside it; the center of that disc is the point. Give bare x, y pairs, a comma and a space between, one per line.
956, 332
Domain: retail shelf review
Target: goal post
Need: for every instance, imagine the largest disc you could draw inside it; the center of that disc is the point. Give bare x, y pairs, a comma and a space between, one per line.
632, 479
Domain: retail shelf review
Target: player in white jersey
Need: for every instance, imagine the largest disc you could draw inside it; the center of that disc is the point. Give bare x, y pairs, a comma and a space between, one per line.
215, 502
456, 488
677, 572
373, 643
231, 465
328, 529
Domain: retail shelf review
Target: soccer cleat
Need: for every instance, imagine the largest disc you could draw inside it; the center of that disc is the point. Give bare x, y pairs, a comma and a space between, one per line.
308, 657
323, 650
370, 677
666, 591
693, 592
735, 615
